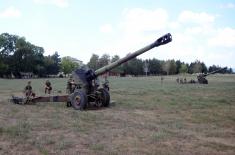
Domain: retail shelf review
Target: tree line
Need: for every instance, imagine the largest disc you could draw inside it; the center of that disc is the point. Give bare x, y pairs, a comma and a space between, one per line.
20, 56
153, 66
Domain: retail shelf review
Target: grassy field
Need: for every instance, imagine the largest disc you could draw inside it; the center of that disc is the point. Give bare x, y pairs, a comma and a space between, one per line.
147, 118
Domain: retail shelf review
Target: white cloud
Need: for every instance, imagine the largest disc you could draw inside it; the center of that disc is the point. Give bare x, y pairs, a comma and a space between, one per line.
191, 32
223, 58
10, 12
197, 18
194, 30
107, 28
144, 20
228, 6
224, 38
174, 25
202, 30
137, 28
58, 3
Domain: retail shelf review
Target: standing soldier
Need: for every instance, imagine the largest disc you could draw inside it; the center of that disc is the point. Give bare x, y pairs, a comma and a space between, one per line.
70, 88
106, 83
162, 78
70, 85
48, 87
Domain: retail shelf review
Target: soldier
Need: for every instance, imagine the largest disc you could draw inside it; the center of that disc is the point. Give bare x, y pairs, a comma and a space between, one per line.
106, 83
48, 87
70, 88
181, 80
192, 81
162, 78
177, 80
28, 90
70, 85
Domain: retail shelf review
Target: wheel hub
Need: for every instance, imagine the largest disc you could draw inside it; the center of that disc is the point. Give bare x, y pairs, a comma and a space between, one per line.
77, 100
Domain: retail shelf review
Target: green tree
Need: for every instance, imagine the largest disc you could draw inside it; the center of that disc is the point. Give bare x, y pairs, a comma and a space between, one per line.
17, 55
204, 68
118, 69
115, 58
26, 58
7, 44
155, 66
169, 67
94, 61
7, 48
178, 66
47, 64
56, 63
67, 65
23, 60
134, 67
52, 64
3, 68
104, 60
197, 67
215, 68
183, 68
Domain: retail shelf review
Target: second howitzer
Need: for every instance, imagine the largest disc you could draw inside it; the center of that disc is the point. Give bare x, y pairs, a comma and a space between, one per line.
87, 88
202, 77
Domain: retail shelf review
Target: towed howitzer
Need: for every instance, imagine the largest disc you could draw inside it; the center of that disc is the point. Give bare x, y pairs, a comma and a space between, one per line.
87, 89
202, 77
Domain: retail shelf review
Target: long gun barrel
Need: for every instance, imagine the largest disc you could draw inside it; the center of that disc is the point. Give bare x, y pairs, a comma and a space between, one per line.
216, 71
87, 89
161, 41
85, 76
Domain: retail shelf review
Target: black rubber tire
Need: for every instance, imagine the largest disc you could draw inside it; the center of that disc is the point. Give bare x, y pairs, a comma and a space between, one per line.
105, 97
82, 100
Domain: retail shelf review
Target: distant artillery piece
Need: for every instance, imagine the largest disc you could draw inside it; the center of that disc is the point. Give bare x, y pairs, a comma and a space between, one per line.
87, 89
201, 78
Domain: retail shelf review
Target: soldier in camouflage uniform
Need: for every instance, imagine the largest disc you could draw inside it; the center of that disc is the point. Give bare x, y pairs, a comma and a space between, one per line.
70, 85
48, 87
28, 90
106, 83
70, 88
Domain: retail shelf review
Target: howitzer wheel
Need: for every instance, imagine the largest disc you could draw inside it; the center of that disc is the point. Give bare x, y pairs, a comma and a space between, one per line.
104, 97
78, 100
205, 82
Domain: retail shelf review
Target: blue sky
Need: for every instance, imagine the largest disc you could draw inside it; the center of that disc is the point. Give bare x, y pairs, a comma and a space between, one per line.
201, 30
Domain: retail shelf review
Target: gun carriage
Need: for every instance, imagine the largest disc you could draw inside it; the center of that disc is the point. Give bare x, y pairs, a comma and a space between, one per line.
87, 89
